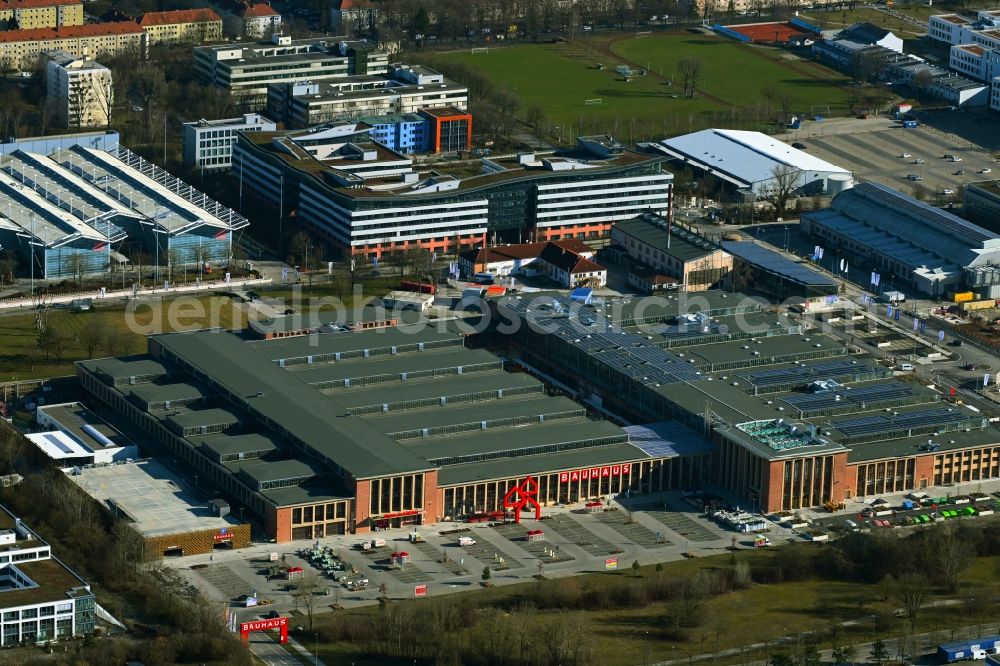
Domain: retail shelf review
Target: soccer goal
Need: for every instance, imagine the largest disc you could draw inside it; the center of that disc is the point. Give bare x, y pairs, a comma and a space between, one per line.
597, 101
482, 50
644, 33
820, 108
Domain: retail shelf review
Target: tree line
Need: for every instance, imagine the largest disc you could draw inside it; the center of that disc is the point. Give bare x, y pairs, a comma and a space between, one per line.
541, 626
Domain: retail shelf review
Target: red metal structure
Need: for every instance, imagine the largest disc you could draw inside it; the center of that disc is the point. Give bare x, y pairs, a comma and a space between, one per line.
263, 625
521, 496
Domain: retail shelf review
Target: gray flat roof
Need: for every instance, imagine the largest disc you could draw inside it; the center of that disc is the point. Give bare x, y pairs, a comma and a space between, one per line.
393, 365
308, 493
651, 229
670, 305
290, 405
265, 471
517, 439
154, 497
502, 468
223, 445
432, 417
128, 366
332, 343
192, 418
899, 448
73, 416
418, 389
153, 393
776, 346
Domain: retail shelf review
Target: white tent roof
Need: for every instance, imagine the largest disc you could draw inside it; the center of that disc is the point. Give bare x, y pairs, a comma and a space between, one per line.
745, 157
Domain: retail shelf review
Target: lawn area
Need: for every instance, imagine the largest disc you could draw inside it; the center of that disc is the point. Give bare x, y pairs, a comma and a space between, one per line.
736, 73
560, 77
20, 357
764, 612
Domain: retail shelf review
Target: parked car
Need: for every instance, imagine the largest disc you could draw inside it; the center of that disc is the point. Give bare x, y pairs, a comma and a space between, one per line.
799, 145
960, 172
947, 191
905, 156
918, 161
906, 367
986, 170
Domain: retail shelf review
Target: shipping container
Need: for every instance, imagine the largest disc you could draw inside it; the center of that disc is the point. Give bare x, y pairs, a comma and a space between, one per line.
963, 650
962, 296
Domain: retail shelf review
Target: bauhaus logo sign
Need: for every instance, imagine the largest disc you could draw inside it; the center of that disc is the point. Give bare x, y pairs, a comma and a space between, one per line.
264, 625
595, 473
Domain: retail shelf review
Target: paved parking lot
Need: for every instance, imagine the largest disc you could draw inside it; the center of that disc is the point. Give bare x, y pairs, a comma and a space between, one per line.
224, 579
573, 532
584, 542
877, 156
543, 550
633, 531
680, 523
489, 554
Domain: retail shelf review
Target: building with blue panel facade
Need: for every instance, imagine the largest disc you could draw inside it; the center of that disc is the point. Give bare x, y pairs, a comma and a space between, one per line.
65, 212
404, 132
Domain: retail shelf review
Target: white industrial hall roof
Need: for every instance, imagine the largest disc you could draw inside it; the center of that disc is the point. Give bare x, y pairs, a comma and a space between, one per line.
908, 230
81, 193
742, 157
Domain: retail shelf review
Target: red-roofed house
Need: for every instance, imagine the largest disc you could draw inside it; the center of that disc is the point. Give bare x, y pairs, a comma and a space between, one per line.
182, 25
30, 14
22, 48
260, 20
567, 262
353, 16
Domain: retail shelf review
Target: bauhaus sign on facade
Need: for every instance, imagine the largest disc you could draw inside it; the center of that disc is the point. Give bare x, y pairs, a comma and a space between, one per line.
594, 473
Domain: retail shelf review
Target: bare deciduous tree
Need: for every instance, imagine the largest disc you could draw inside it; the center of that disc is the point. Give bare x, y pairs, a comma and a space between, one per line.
911, 591
784, 181
690, 71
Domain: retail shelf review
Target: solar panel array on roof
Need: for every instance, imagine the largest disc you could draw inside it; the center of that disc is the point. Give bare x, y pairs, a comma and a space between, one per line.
803, 374
591, 332
903, 424
855, 397
667, 439
777, 264
55, 441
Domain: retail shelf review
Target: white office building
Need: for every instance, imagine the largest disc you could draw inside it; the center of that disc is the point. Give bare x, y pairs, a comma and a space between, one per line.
246, 70
208, 144
41, 599
369, 199
80, 90
407, 89
977, 62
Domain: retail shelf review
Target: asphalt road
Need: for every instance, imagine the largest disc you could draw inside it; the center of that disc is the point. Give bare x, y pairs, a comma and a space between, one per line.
267, 649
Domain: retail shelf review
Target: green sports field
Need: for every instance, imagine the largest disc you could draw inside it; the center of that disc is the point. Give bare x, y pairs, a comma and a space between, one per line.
561, 77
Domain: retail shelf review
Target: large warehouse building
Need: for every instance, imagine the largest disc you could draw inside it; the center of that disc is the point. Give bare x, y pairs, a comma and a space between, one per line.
360, 430
752, 162
352, 431
915, 244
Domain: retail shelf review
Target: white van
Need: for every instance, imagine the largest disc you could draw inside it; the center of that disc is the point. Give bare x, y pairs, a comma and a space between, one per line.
906, 367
